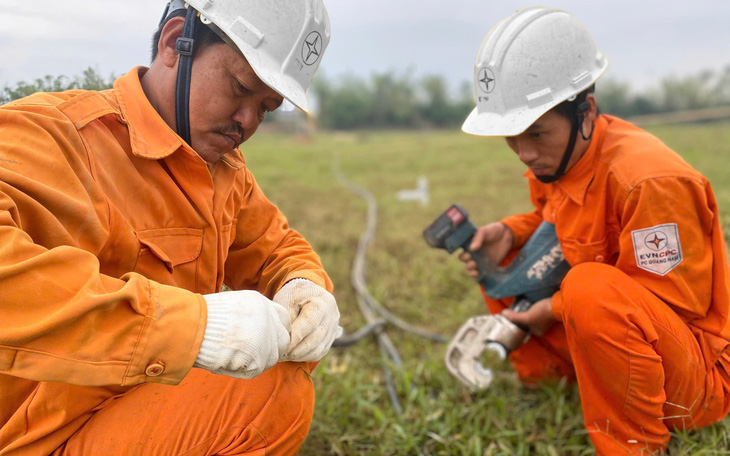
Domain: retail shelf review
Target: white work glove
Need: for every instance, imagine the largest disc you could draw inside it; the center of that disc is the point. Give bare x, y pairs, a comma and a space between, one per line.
245, 335
315, 319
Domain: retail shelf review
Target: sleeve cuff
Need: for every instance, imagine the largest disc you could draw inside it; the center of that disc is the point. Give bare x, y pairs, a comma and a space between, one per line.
171, 337
520, 234
320, 279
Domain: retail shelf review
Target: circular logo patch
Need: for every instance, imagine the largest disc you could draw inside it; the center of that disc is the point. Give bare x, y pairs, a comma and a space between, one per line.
311, 48
656, 240
486, 80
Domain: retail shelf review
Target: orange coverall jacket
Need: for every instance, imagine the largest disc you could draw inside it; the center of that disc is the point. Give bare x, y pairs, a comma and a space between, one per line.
644, 308
111, 229
606, 208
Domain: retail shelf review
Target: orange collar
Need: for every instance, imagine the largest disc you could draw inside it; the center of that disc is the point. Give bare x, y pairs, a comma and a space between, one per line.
576, 181
150, 136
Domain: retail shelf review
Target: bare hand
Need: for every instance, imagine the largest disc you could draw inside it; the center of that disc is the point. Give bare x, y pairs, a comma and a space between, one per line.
539, 318
494, 240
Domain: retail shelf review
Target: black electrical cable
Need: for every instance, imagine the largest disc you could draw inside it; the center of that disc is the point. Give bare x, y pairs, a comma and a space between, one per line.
352, 338
360, 285
374, 313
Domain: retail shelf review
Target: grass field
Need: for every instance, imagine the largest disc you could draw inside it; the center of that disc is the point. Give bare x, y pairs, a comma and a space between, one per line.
429, 289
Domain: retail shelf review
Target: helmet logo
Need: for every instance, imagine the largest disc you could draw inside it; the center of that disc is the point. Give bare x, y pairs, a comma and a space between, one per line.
486, 80
311, 48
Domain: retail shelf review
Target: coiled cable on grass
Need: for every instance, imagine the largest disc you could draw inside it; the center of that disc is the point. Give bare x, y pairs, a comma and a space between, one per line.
374, 313
346, 340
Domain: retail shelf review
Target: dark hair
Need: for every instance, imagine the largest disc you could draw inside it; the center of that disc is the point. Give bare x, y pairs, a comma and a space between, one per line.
569, 108
204, 35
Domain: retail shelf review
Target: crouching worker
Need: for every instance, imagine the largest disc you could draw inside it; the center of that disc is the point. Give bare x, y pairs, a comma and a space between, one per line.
641, 319
122, 214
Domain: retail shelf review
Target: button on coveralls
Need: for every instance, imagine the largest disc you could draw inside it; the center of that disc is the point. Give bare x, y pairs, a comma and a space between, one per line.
111, 229
645, 305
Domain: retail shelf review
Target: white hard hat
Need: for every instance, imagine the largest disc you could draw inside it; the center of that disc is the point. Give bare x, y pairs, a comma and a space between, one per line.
283, 41
527, 64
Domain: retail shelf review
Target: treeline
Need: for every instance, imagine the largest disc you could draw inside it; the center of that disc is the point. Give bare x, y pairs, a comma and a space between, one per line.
707, 89
88, 80
388, 100
392, 100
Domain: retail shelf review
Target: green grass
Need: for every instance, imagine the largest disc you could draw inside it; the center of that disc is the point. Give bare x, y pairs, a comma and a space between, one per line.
428, 288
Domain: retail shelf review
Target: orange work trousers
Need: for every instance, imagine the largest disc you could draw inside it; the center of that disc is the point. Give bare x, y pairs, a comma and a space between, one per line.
640, 369
205, 414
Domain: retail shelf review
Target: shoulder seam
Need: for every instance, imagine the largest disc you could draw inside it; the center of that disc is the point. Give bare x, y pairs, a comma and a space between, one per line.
96, 114
98, 105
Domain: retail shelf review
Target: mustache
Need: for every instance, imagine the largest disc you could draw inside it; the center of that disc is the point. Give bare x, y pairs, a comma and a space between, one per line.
232, 129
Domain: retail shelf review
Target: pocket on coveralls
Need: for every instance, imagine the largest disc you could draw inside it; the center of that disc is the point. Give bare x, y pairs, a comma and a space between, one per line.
164, 249
595, 252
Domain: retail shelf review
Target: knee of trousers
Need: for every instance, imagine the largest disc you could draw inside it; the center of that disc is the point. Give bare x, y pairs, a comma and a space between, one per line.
279, 402
596, 297
285, 395
293, 389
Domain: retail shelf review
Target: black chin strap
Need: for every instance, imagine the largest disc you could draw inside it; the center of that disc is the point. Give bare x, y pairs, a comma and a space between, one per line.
577, 125
566, 156
185, 47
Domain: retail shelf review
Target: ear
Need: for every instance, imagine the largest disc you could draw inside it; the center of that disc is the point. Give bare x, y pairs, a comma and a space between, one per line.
166, 46
591, 113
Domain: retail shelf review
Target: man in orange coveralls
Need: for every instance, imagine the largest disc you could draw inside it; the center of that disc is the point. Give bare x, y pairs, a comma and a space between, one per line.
123, 212
641, 319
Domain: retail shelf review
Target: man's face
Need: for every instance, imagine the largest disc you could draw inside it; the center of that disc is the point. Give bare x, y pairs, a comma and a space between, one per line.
542, 146
227, 101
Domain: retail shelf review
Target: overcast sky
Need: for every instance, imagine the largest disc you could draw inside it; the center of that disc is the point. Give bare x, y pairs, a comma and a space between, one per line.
644, 40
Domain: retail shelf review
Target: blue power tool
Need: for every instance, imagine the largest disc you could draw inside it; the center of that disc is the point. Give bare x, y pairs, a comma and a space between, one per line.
534, 274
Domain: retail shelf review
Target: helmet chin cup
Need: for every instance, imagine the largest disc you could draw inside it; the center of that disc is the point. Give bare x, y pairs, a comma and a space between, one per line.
548, 179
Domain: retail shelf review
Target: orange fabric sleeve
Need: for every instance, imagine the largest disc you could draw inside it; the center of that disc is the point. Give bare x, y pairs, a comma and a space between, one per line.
683, 201
556, 305
669, 201
267, 253
63, 320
